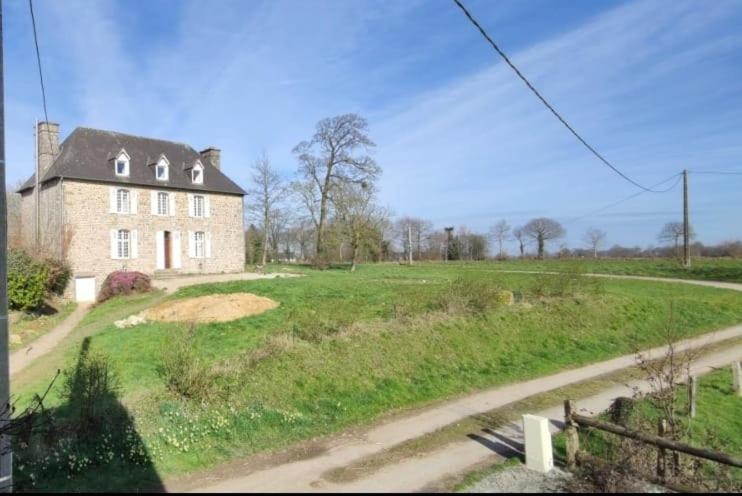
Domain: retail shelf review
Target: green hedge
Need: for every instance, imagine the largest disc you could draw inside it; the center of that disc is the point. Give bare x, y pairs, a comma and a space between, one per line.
30, 280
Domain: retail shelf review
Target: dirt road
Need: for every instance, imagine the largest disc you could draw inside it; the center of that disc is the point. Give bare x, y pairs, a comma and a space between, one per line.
21, 358
711, 284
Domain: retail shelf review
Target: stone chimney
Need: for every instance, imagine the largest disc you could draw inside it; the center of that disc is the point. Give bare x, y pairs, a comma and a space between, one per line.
213, 156
47, 145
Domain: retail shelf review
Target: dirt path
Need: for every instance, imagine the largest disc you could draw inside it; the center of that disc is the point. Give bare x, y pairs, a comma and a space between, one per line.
711, 284
305, 475
21, 358
170, 285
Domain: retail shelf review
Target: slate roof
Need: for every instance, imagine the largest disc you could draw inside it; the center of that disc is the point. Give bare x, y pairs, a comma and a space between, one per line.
89, 154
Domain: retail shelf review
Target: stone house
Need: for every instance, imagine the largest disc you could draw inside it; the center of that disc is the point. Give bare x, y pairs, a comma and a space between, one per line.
109, 201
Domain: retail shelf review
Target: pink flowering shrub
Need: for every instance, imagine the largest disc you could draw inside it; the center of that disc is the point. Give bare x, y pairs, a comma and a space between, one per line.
124, 282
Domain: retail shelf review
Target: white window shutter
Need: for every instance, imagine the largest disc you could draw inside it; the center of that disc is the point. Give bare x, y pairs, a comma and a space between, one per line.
134, 244
206, 206
134, 200
171, 207
153, 202
176, 249
190, 205
112, 196
114, 247
160, 250
191, 245
207, 241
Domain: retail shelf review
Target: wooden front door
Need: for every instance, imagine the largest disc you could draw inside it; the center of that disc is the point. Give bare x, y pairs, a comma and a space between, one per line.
167, 245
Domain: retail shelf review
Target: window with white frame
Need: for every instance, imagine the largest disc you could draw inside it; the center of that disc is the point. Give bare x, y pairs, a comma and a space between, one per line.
199, 244
197, 173
198, 206
163, 203
123, 243
123, 201
161, 169
121, 165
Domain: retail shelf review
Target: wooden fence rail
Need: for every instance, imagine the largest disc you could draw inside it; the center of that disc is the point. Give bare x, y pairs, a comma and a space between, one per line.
572, 420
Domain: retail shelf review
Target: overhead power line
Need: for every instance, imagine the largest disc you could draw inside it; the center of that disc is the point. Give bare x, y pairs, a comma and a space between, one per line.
546, 103
721, 173
601, 209
38, 58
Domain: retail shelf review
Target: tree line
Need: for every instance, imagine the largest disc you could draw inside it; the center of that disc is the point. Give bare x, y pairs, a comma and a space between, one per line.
329, 212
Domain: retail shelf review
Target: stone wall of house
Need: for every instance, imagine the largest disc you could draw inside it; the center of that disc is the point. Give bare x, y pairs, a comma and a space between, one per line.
87, 213
27, 218
51, 234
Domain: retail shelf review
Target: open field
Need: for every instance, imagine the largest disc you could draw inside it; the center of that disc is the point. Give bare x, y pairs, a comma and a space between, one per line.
708, 269
343, 349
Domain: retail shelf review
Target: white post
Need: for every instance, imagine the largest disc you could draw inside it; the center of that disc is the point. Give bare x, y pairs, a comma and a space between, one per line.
737, 377
539, 455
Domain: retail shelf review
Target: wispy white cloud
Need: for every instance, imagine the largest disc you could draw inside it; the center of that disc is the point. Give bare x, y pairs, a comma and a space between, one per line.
478, 147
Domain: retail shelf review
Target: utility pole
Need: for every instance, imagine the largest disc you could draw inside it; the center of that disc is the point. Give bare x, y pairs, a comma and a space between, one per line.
686, 223
448, 230
6, 455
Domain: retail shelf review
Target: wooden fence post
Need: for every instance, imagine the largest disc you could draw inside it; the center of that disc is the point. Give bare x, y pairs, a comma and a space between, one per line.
737, 377
661, 466
661, 458
692, 395
573, 437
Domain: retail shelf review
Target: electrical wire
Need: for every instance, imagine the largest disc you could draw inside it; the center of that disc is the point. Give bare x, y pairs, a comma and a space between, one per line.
601, 209
546, 103
721, 173
38, 58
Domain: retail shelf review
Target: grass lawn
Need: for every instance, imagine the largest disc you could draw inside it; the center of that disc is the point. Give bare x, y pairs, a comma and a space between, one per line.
29, 327
709, 269
343, 349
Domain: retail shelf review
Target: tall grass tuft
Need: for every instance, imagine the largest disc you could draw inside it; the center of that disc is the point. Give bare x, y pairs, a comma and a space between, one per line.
183, 369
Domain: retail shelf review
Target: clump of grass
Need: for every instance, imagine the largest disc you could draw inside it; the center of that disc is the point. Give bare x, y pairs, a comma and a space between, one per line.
183, 369
470, 295
315, 331
569, 283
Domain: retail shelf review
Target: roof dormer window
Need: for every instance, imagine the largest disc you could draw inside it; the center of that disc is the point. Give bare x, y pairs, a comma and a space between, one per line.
121, 165
162, 172
197, 173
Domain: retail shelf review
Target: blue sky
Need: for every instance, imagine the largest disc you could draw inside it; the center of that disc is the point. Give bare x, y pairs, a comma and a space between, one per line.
656, 86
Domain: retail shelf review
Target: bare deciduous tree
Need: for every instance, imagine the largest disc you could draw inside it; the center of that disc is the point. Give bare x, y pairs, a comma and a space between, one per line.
542, 230
302, 233
359, 216
594, 237
279, 220
265, 196
500, 232
331, 159
519, 235
421, 230
672, 232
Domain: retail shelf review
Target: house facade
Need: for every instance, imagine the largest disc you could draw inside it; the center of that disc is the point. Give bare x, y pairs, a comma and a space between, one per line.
108, 201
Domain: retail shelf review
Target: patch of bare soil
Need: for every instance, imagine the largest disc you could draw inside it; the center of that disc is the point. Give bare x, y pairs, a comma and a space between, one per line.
211, 308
